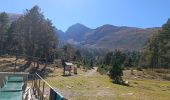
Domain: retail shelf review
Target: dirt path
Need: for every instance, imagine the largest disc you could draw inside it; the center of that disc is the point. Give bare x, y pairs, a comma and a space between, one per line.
91, 72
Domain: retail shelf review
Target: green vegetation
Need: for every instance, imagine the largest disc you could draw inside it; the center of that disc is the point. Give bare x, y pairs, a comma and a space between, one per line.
116, 72
3, 30
115, 62
103, 69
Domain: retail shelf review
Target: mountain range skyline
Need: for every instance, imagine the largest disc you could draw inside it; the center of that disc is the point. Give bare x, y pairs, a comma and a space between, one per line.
15, 16
104, 25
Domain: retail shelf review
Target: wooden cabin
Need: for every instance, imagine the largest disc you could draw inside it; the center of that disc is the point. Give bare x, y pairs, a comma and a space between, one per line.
68, 66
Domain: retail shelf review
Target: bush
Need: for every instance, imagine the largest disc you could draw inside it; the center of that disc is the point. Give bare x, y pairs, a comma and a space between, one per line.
161, 70
78, 65
116, 74
103, 69
166, 77
139, 69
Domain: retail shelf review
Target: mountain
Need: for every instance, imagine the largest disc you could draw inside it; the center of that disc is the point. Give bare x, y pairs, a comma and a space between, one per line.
76, 32
108, 36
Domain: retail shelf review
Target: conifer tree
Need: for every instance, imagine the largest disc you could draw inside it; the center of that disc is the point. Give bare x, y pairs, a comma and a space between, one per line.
3, 29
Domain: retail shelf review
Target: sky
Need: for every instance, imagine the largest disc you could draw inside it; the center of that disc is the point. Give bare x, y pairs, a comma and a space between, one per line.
95, 13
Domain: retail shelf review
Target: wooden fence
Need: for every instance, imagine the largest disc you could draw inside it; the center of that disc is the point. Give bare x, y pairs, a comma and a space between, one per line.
39, 85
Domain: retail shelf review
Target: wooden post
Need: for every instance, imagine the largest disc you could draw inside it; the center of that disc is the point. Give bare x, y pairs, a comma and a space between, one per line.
15, 64
43, 90
63, 70
75, 70
32, 84
36, 92
39, 90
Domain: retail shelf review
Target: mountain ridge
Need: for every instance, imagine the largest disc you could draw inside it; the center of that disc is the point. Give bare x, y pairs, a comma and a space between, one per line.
108, 36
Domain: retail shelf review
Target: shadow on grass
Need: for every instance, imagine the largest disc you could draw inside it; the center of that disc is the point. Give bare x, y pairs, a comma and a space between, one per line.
66, 75
122, 84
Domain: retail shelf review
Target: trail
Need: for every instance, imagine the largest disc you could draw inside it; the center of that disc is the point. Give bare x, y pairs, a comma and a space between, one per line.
91, 72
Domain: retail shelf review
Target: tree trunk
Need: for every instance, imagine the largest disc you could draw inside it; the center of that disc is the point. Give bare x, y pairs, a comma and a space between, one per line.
45, 64
27, 64
37, 67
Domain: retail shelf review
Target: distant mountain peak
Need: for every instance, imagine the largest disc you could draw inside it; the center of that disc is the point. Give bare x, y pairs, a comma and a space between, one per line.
77, 26
77, 31
108, 25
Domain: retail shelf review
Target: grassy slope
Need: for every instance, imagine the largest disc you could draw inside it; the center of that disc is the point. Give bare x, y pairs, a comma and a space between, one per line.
98, 87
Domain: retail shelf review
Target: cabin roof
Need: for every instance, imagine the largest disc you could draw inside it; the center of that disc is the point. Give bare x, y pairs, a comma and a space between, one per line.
68, 63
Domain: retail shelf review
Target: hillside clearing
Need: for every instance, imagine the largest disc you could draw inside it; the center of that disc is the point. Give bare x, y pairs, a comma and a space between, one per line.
91, 85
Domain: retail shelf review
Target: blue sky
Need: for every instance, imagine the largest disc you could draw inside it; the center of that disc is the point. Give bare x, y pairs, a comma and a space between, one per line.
94, 13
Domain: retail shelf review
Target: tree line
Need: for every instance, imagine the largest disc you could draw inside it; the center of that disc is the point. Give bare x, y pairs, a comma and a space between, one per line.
86, 57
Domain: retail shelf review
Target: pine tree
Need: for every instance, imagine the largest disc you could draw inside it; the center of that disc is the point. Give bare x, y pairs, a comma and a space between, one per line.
3, 29
91, 63
116, 72
108, 58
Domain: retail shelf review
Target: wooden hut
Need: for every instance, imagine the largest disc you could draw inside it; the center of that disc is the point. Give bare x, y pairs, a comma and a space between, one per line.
68, 67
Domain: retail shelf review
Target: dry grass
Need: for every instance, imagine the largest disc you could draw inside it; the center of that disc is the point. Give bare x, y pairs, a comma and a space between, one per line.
8, 63
99, 87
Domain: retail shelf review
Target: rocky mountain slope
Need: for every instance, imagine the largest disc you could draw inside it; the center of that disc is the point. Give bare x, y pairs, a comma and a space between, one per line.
107, 36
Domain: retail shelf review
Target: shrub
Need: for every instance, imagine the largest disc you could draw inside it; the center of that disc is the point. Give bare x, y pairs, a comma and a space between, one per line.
139, 69
116, 74
103, 69
161, 70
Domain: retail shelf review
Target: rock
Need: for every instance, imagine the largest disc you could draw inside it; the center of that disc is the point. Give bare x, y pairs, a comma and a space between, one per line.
126, 82
129, 93
69, 87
